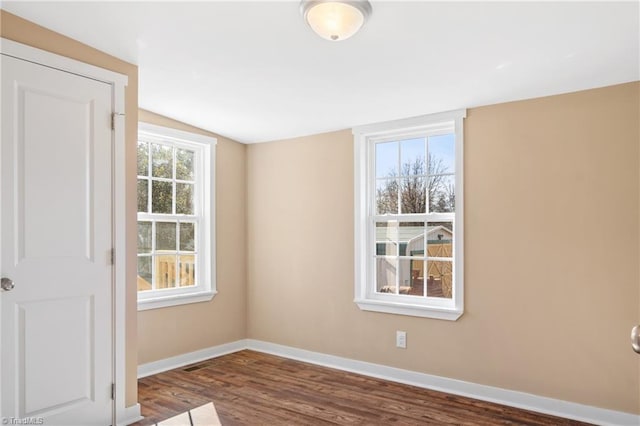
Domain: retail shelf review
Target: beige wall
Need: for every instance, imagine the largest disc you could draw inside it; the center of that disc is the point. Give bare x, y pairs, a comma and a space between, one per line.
168, 332
20, 30
542, 176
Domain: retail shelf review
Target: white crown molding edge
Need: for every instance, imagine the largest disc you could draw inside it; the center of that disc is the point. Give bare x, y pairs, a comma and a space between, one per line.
522, 400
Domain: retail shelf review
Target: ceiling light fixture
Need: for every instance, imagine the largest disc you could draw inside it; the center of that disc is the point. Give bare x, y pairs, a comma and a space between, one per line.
335, 20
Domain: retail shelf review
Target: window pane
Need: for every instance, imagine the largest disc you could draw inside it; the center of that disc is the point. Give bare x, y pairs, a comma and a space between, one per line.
442, 154
439, 278
144, 237
405, 275
161, 197
416, 268
412, 277
411, 241
442, 193
187, 236
386, 275
413, 195
412, 157
143, 158
162, 161
165, 236
184, 198
411, 236
184, 164
145, 273
143, 195
387, 159
387, 238
165, 271
187, 274
440, 239
387, 196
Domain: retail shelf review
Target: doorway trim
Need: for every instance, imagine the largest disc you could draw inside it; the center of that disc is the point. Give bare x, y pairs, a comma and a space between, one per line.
120, 414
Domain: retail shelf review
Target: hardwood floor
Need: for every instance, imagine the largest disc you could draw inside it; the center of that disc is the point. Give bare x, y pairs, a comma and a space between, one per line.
252, 388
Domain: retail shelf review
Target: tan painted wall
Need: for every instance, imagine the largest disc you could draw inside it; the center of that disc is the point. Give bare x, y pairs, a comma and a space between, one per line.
22, 31
541, 176
168, 332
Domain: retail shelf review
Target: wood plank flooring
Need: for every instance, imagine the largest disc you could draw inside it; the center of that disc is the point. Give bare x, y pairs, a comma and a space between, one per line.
252, 388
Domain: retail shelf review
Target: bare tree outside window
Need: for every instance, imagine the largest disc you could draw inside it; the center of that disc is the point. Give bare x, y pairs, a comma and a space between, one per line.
418, 183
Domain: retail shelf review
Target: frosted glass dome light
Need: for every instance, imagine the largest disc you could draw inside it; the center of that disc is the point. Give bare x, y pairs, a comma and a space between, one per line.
335, 20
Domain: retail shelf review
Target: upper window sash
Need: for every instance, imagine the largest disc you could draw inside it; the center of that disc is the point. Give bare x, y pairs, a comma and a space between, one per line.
200, 154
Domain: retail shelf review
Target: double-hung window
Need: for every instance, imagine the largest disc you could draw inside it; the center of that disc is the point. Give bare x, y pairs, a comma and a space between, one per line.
408, 216
176, 244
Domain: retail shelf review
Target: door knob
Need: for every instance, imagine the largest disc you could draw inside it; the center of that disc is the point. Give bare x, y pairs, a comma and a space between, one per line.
635, 338
7, 284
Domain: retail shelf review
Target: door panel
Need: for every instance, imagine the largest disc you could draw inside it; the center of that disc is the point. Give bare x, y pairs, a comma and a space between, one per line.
72, 349
42, 166
56, 351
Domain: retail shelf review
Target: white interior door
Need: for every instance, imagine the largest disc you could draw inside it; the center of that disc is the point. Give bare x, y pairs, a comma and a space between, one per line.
56, 355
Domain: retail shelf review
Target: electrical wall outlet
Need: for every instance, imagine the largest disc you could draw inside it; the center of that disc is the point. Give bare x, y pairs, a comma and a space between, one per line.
401, 339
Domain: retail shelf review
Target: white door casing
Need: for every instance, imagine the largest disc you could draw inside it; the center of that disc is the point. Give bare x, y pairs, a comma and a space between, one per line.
57, 227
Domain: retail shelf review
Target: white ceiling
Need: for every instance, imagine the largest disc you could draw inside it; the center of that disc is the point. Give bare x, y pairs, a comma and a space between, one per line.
254, 72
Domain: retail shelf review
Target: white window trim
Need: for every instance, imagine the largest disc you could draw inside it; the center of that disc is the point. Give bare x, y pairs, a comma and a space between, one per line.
364, 138
205, 290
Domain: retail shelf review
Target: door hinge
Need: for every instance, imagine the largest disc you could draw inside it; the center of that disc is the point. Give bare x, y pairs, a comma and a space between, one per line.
113, 391
113, 119
113, 256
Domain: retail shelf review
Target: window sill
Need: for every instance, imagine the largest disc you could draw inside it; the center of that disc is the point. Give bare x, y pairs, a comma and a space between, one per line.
175, 300
449, 314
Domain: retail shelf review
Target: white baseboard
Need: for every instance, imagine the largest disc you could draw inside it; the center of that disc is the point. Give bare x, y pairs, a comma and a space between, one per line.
166, 364
526, 401
129, 415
